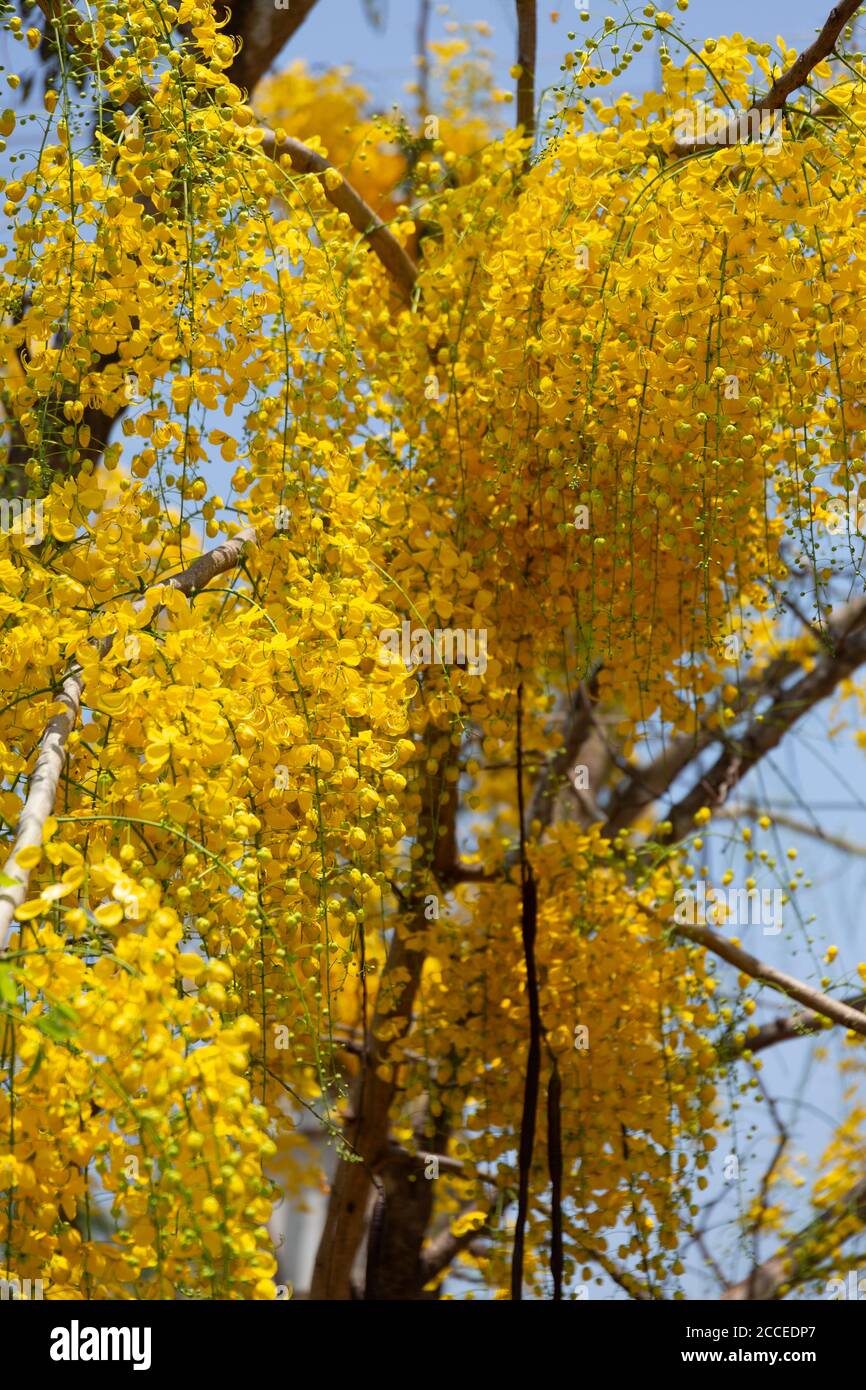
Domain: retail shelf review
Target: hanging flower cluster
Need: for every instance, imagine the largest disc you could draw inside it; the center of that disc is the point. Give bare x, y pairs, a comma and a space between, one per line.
620, 384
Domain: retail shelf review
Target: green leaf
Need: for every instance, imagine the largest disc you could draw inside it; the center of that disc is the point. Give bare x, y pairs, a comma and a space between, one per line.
37, 1063
66, 1011
54, 1026
8, 990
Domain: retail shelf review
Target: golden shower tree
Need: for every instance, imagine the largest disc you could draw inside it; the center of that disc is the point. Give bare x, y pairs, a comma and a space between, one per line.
414, 530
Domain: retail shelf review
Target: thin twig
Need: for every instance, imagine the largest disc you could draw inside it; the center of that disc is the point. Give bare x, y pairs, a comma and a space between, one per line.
782, 1142
748, 810
421, 38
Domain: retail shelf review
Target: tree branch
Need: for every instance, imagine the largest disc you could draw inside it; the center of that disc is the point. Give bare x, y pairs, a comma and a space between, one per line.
527, 45
651, 781
444, 1248
766, 730
367, 1122
383, 243
768, 1280
761, 970
641, 1293
263, 31
800, 1024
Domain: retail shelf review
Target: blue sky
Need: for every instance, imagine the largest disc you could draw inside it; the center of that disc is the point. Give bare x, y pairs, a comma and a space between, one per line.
338, 32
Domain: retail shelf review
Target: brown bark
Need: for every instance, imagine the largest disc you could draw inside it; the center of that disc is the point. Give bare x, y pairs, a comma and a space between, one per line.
527, 44
263, 31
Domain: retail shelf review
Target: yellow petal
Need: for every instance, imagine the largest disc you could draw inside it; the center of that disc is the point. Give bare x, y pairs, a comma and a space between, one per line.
109, 914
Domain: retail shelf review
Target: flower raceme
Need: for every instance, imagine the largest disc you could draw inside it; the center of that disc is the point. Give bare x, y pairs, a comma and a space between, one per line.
255, 803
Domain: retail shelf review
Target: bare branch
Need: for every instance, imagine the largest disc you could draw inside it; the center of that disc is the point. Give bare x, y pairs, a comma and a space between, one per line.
792, 1262
626, 1281
782, 1142
527, 44
804, 994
